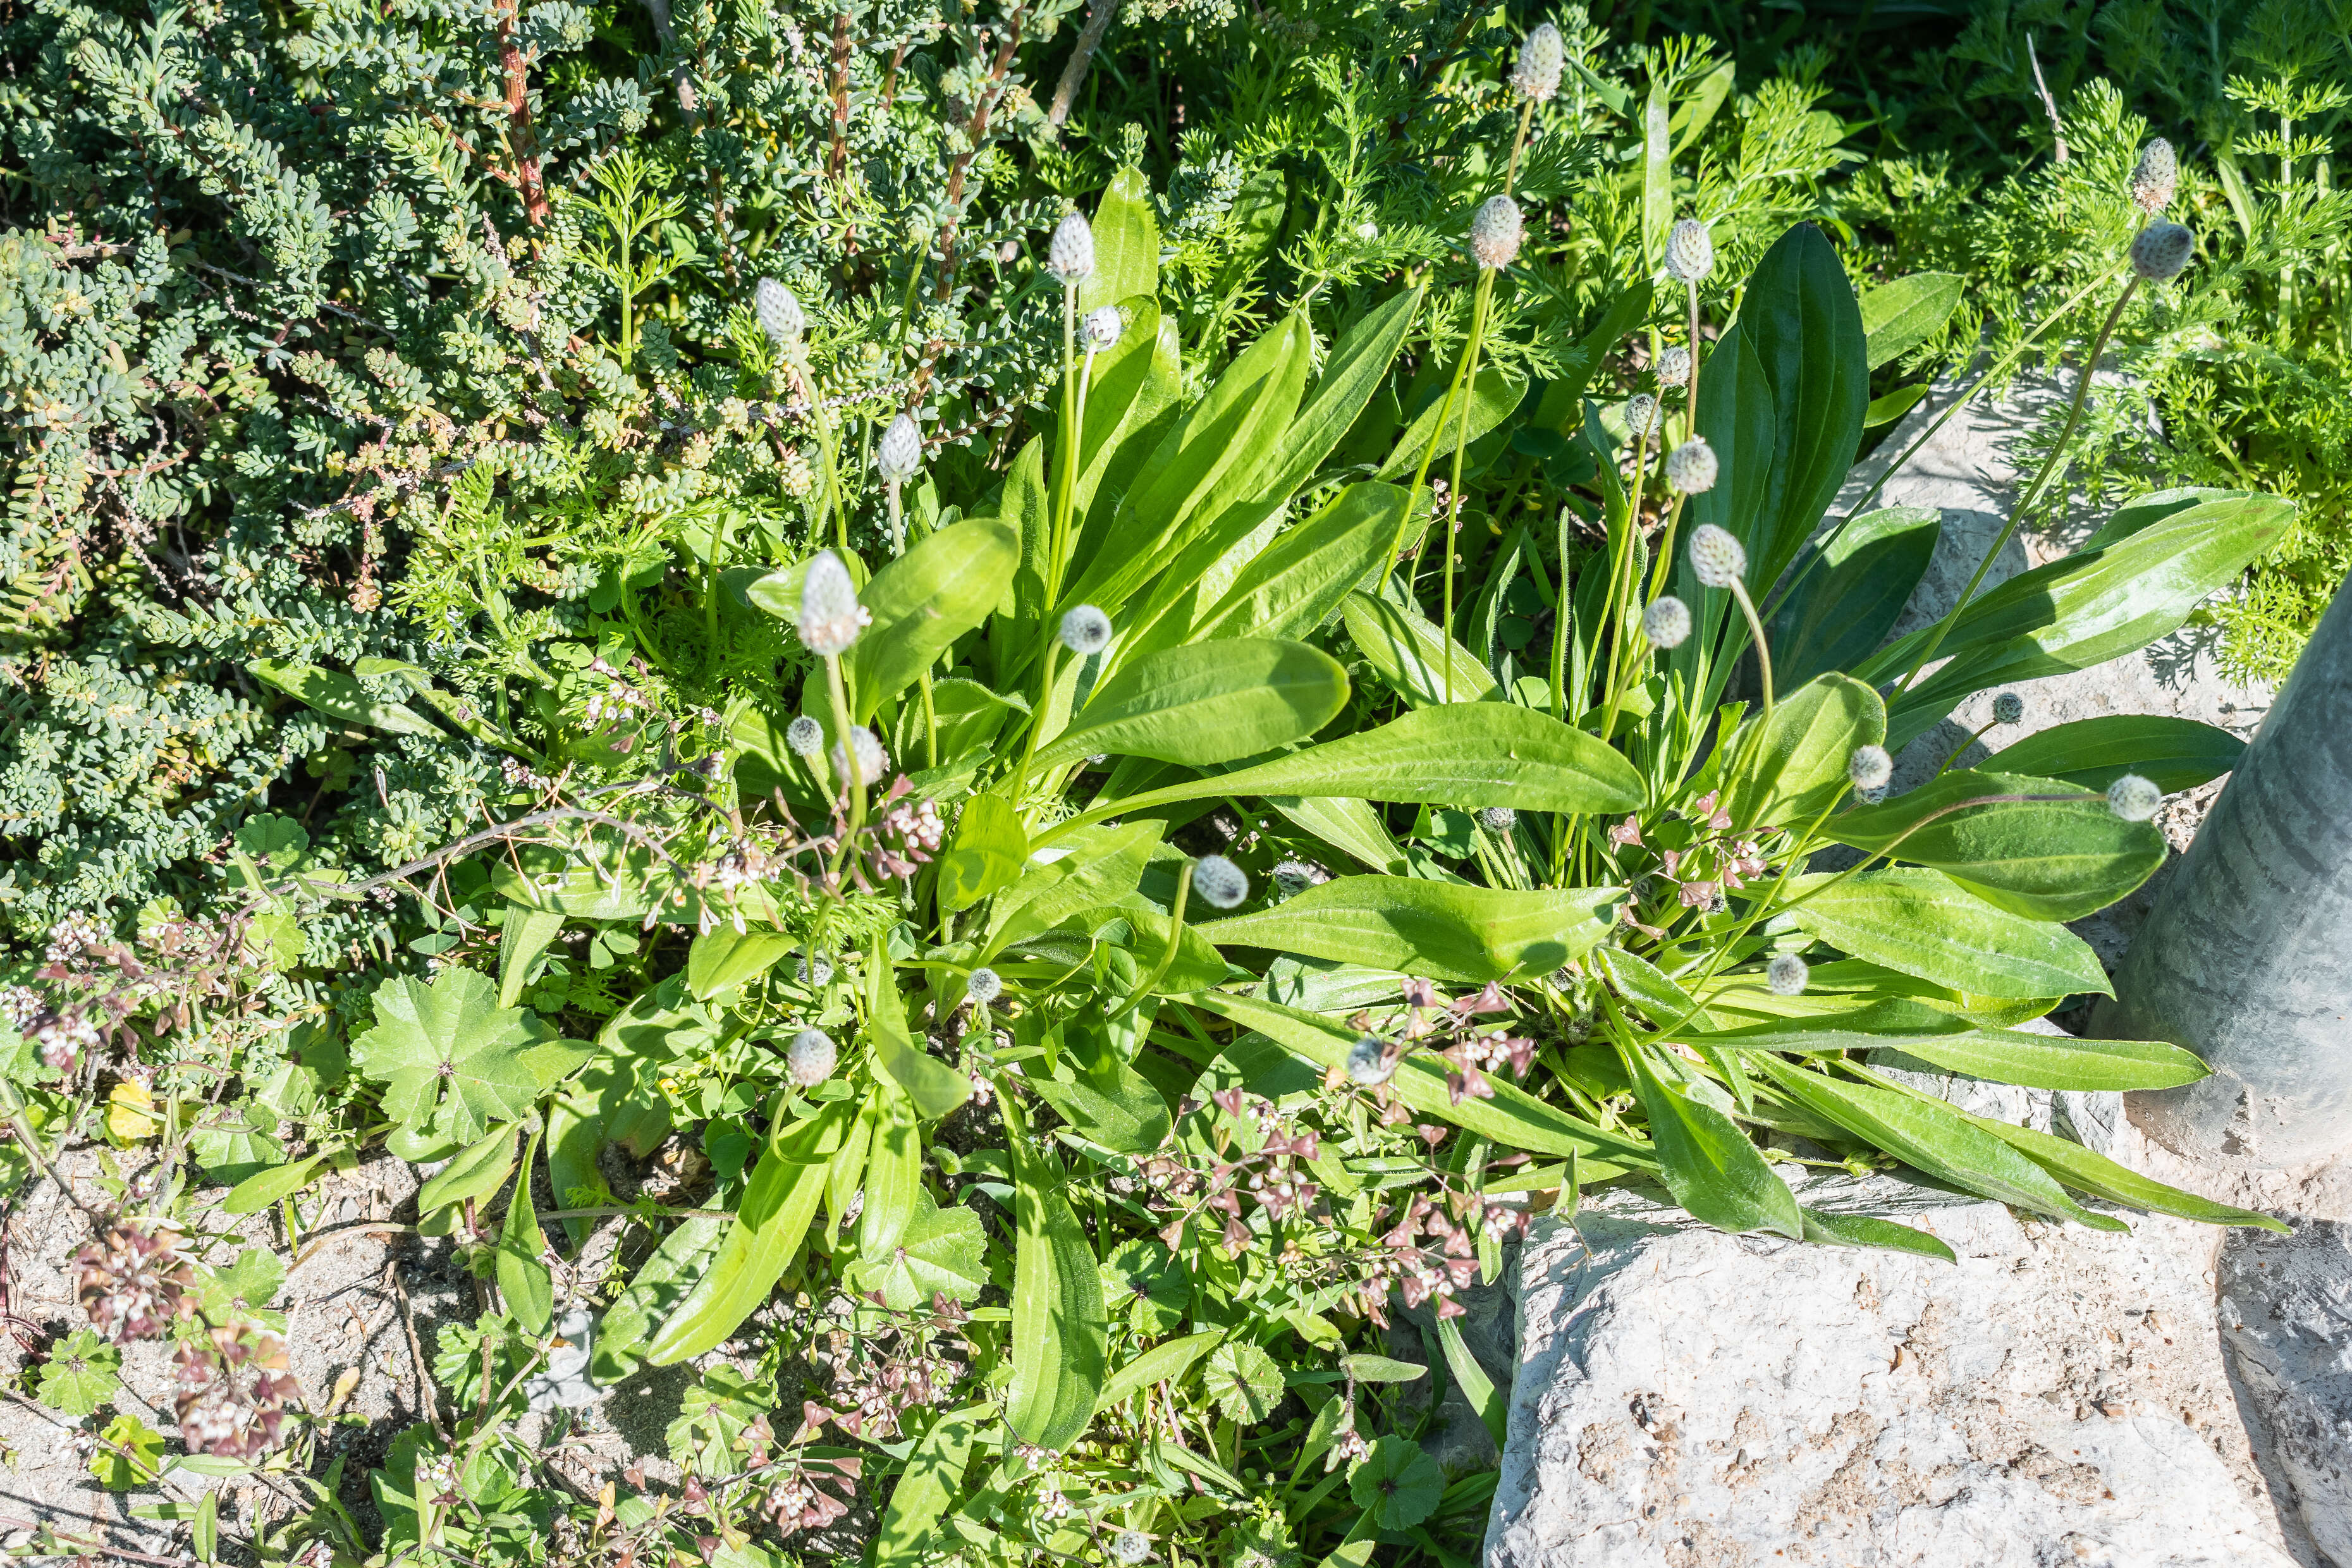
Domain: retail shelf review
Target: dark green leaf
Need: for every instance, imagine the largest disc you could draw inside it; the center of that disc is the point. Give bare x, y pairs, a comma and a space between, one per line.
2046, 860
1208, 703
922, 602
1439, 931
1921, 923
1898, 317
2175, 753
1060, 1330
1709, 1162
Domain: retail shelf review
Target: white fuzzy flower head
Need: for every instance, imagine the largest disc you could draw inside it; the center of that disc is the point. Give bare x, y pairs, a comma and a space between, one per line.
1641, 416
1495, 231
1131, 1546
1221, 883
2160, 252
831, 617
871, 758
1499, 818
811, 1057
1071, 257
1691, 468
1086, 630
2155, 177
2007, 708
805, 736
900, 451
1099, 328
1715, 557
1368, 230
1541, 57
984, 986
1292, 878
1667, 622
1787, 975
820, 974
1673, 366
1369, 1062
2134, 798
1870, 767
1690, 251
780, 316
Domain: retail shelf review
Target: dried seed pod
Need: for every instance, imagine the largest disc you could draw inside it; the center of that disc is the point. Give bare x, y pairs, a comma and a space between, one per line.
2155, 177
1221, 883
780, 313
1870, 767
831, 617
1542, 58
1690, 251
1786, 976
811, 1057
1071, 257
900, 451
1718, 559
1496, 230
1691, 466
1667, 622
2007, 708
2161, 252
1086, 630
2134, 798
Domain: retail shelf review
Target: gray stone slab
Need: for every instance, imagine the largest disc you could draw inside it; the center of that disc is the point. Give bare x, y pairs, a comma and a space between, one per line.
2286, 1317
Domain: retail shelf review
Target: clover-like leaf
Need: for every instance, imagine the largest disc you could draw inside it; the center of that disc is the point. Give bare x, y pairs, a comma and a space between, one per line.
129, 1453
1397, 1483
1247, 1383
713, 1417
1143, 1279
448, 1056
82, 1372
245, 1288
941, 1252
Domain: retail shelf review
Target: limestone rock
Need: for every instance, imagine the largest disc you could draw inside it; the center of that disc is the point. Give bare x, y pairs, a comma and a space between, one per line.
2286, 1317
1685, 1398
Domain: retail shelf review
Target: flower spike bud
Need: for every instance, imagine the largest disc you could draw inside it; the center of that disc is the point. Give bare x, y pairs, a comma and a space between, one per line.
900, 451
831, 617
1086, 630
984, 986
1496, 230
2134, 798
1131, 1546
1641, 416
1071, 257
1499, 818
1691, 468
1369, 1062
871, 758
805, 736
1220, 882
2155, 177
1667, 622
2007, 708
1786, 976
780, 313
1100, 329
811, 1057
1541, 57
2161, 252
820, 974
1870, 767
1718, 559
1690, 251
1673, 366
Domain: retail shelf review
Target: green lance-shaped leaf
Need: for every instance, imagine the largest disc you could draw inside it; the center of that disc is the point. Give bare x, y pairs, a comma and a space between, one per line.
2092, 753
2101, 1177
1467, 754
1358, 363
1061, 1333
1103, 866
1946, 1041
1932, 1136
779, 1202
922, 602
1495, 398
1513, 1119
660, 1283
1898, 317
721, 959
339, 697
1167, 1362
1712, 1168
2045, 859
523, 1276
526, 934
935, 1087
477, 1172
1825, 1229
928, 1489
894, 1171
1412, 656
1294, 585
1440, 930
1923, 923
1794, 764
987, 852
1111, 1103
1847, 604
1208, 703
1127, 243
258, 1191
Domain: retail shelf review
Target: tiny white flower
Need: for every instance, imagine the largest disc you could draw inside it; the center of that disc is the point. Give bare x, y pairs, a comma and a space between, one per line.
1499, 818
1787, 975
831, 617
1718, 559
1673, 366
900, 451
1369, 1062
811, 1057
872, 759
780, 313
1495, 231
1667, 622
1691, 468
1219, 882
2134, 798
1099, 328
805, 736
984, 986
1071, 257
1641, 415
1870, 767
2161, 252
1368, 230
1131, 1546
1086, 630
1690, 251
2007, 708
2155, 177
1541, 57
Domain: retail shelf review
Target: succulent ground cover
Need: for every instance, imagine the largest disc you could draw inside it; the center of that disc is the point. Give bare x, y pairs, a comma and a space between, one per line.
1125, 722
